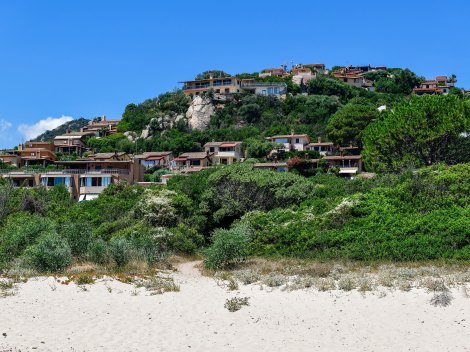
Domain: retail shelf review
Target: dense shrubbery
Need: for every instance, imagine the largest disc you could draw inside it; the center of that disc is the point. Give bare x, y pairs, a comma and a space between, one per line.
228, 247
51, 253
415, 215
420, 132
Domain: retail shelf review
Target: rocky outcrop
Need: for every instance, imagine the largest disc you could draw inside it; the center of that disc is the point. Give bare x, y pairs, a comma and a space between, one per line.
199, 113
130, 135
197, 118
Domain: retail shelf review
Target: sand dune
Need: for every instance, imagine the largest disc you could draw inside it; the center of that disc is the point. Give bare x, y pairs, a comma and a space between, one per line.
111, 316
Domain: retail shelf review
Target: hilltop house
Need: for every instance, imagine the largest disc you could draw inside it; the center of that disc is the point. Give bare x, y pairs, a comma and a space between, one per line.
302, 74
319, 68
36, 153
353, 77
439, 85
224, 153
264, 88
195, 161
290, 142
225, 85
101, 126
155, 159
71, 143
269, 72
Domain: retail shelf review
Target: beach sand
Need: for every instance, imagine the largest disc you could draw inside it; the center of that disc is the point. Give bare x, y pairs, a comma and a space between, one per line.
45, 315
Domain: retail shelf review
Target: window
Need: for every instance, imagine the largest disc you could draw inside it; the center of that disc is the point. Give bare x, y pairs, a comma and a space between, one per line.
95, 181
212, 149
297, 140
227, 90
55, 181
195, 162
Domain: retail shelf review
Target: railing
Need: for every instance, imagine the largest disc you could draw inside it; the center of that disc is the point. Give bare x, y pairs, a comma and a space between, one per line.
97, 172
64, 172
263, 84
202, 86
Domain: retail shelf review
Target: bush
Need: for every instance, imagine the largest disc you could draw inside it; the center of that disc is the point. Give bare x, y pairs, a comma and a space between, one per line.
156, 208
228, 247
51, 254
148, 243
97, 251
79, 237
20, 231
120, 250
186, 239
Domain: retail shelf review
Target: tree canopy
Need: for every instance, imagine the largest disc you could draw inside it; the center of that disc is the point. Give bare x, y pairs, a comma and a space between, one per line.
417, 132
346, 126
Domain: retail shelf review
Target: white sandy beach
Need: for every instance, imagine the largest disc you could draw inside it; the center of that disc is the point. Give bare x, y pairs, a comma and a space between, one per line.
47, 316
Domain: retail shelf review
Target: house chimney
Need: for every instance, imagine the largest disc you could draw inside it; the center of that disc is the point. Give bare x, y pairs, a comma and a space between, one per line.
319, 139
103, 118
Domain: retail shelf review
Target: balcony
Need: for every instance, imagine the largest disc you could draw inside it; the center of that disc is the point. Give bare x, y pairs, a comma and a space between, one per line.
92, 189
227, 154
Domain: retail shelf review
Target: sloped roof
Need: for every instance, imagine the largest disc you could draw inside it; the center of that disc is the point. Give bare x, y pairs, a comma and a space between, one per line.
194, 155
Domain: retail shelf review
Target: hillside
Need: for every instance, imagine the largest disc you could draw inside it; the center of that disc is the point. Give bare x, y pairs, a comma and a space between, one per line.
73, 126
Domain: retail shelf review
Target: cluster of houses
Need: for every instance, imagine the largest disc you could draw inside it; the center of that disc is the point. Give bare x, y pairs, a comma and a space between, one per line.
89, 174
354, 76
87, 177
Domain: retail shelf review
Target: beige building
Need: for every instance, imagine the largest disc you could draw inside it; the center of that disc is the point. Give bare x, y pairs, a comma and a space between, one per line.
101, 126
349, 165
36, 153
193, 161
71, 143
439, 85
291, 142
324, 148
224, 153
226, 85
277, 72
90, 177
155, 159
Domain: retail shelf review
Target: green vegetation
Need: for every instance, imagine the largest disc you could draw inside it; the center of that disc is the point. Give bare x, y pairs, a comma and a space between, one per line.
416, 207
419, 132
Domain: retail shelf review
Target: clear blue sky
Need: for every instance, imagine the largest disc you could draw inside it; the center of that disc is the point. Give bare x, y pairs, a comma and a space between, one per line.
90, 58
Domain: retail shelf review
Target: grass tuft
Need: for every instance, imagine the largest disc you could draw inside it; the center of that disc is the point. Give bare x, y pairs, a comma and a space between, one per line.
236, 303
